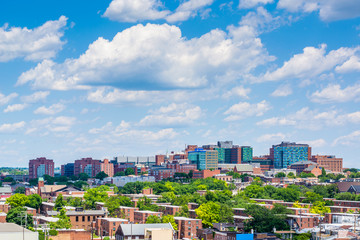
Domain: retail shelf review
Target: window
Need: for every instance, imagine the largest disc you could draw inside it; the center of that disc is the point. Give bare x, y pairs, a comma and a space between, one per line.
77, 218
88, 218
83, 218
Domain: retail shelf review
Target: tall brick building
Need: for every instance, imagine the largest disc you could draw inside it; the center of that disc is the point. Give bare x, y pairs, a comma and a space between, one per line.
40, 167
329, 162
107, 167
87, 165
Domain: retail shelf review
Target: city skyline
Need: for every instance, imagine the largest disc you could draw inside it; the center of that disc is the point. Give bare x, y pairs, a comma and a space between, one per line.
111, 78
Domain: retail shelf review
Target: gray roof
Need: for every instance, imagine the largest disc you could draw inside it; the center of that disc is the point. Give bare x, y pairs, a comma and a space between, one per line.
5, 190
355, 187
12, 227
304, 162
139, 229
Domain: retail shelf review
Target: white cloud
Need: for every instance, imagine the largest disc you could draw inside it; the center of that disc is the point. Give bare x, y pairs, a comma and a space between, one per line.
350, 139
172, 115
170, 61
239, 91
6, 99
312, 119
253, 3
32, 44
334, 93
135, 10
353, 64
11, 127
315, 143
245, 109
53, 109
282, 91
15, 107
329, 10
312, 62
188, 9
57, 125
35, 97
271, 137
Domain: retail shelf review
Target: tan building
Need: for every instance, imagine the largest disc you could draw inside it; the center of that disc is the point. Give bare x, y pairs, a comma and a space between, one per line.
72, 234
107, 167
144, 231
158, 233
329, 162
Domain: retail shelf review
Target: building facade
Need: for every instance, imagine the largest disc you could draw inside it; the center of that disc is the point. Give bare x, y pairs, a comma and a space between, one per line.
204, 159
246, 154
67, 170
87, 165
40, 167
107, 167
329, 162
287, 153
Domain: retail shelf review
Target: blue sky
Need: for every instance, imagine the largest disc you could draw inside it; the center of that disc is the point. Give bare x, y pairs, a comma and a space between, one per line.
142, 77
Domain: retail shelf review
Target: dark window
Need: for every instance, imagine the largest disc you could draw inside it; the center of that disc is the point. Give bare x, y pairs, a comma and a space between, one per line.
88, 218
83, 218
77, 218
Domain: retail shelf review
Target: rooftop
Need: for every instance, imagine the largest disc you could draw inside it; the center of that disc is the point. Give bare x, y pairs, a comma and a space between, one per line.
139, 229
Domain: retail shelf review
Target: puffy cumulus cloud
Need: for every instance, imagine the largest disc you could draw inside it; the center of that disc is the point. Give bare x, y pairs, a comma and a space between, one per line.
6, 99
157, 57
32, 44
329, 10
350, 139
51, 124
312, 119
244, 109
188, 9
253, 3
11, 127
282, 91
15, 107
53, 109
333, 93
135, 10
172, 115
271, 137
35, 97
312, 62
353, 64
238, 91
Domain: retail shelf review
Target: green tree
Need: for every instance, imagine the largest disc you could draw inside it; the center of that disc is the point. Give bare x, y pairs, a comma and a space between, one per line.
83, 176
291, 175
75, 201
17, 200
94, 195
19, 216
153, 219
170, 219
264, 220
59, 202
8, 179
20, 190
212, 212
280, 175
101, 175
254, 191
119, 174
34, 201
114, 202
311, 197
320, 208
145, 203
129, 171
323, 172
63, 222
